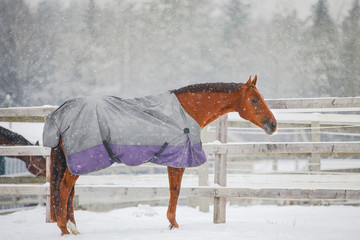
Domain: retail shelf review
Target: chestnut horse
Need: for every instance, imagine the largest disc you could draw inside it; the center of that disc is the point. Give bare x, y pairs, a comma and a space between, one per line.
34, 164
205, 103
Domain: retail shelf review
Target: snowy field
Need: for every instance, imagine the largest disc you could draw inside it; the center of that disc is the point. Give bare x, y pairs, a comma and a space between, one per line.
145, 222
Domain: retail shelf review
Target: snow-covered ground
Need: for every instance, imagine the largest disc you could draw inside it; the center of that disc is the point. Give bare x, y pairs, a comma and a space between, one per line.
145, 222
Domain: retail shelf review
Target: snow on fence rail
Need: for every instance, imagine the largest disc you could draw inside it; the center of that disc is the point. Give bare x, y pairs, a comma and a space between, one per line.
349, 103
315, 103
219, 192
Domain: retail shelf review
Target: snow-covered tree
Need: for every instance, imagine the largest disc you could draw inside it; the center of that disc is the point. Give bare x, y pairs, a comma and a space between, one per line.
56, 50
351, 52
285, 55
16, 61
323, 54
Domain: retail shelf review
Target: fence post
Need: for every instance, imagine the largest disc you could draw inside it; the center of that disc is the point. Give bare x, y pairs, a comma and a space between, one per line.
48, 175
204, 181
220, 171
315, 158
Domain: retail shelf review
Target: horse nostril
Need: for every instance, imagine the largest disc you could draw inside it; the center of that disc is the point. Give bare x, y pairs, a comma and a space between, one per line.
270, 127
273, 125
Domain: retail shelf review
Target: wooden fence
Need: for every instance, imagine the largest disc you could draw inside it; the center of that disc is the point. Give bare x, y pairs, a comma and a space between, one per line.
315, 148
348, 190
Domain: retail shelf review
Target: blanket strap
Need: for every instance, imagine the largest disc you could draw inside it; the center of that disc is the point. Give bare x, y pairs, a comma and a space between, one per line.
110, 152
161, 149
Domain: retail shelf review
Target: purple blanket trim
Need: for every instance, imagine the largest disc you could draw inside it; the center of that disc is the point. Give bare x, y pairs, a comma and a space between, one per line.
89, 160
97, 158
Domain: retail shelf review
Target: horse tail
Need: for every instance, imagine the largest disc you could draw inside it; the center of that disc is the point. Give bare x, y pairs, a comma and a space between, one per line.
58, 167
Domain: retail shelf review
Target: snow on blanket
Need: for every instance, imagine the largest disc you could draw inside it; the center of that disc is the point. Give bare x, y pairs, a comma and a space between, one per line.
150, 223
98, 131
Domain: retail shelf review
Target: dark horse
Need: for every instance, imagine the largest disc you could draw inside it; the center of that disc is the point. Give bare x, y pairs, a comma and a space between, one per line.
204, 103
34, 164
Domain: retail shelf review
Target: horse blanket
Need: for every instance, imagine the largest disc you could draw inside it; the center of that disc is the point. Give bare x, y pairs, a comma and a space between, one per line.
98, 131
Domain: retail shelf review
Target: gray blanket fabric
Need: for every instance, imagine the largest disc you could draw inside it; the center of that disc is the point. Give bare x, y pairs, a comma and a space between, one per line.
98, 131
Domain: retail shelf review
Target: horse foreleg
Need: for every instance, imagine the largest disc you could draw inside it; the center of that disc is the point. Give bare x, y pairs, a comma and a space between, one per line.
175, 177
66, 187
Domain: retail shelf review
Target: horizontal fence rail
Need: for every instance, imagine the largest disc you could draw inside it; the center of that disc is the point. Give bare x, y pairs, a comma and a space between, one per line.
25, 114
24, 151
26, 111
301, 103
280, 147
248, 193
38, 114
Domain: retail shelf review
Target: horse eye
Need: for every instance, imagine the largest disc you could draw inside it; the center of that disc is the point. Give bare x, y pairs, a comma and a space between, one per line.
254, 100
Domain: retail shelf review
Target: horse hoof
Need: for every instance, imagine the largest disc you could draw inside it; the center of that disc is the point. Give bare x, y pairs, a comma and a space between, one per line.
72, 227
63, 233
64, 230
172, 226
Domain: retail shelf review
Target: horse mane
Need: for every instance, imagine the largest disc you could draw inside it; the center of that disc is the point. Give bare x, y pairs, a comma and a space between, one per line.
14, 137
209, 87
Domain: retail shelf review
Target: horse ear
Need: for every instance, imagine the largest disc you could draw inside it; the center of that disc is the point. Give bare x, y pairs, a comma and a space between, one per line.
248, 83
254, 80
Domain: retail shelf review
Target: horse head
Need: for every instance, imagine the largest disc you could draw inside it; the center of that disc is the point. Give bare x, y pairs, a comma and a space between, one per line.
252, 107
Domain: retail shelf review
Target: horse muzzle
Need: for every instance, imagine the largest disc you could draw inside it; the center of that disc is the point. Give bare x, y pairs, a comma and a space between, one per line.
270, 127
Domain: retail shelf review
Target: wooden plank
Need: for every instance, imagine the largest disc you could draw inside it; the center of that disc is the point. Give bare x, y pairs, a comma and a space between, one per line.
314, 161
231, 148
294, 103
235, 123
298, 193
136, 192
38, 114
203, 172
48, 179
12, 210
32, 119
24, 151
26, 111
281, 147
31, 189
10, 179
291, 103
122, 191
220, 159
285, 103
220, 170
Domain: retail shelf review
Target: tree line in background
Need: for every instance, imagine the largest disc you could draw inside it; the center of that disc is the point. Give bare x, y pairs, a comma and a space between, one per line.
125, 48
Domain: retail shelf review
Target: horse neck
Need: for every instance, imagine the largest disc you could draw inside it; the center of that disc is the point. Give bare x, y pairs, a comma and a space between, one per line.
35, 164
206, 107
8, 138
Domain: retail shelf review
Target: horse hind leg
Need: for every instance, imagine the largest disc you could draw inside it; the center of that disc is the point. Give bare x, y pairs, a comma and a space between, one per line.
71, 225
65, 204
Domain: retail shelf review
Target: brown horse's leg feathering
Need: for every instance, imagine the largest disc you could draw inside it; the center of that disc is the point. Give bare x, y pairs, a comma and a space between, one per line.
175, 177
